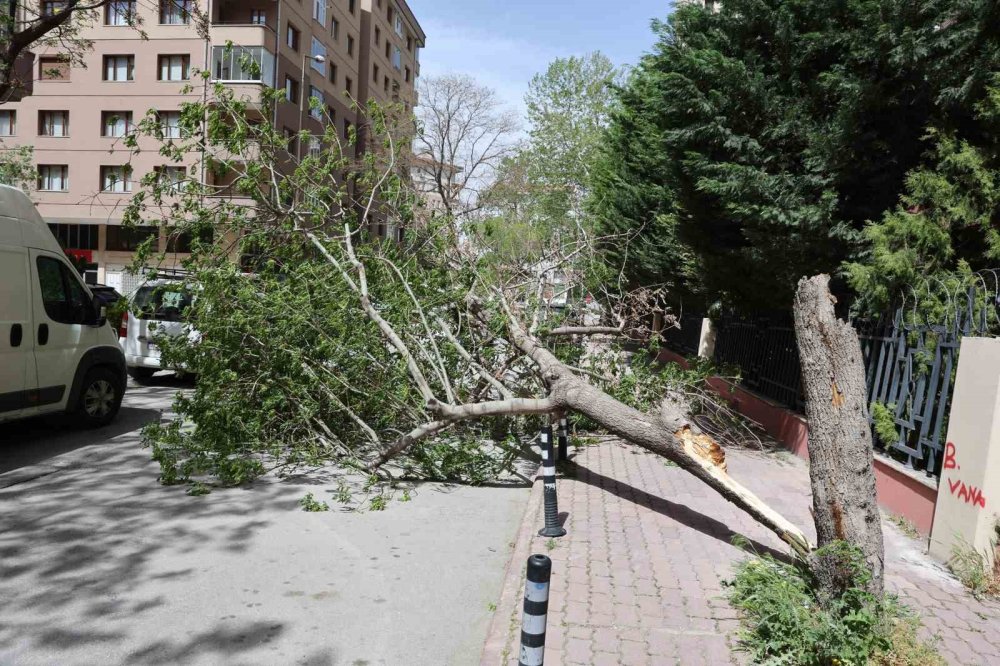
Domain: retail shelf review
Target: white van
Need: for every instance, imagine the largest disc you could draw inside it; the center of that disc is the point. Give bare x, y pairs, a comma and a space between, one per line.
57, 350
157, 308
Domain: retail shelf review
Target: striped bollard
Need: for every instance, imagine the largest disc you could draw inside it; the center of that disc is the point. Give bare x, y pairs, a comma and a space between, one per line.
536, 608
552, 527
563, 439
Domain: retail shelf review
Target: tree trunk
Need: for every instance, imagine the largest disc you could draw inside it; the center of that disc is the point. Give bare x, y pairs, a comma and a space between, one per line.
840, 442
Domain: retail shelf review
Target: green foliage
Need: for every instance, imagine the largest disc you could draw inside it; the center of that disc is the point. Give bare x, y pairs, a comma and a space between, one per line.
784, 621
310, 503
976, 572
884, 418
754, 143
17, 167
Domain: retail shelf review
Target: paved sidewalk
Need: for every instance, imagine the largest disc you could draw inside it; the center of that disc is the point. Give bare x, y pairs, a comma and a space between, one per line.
638, 579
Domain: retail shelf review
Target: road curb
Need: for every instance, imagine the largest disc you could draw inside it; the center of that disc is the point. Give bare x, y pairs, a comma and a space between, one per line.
504, 622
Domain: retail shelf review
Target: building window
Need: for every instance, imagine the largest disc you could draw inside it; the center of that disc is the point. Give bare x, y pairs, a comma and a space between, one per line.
175, 12
332, 113
397, 57
334, 28
170, 124
53, 123
398, 23
291, 140
375, 73
8, 123
409, 43
387, 45
182, 241
291, 89
242, 63
53, 68
333, 73
258, 17
121, 239
314, 146
174, 67
53, 7
292, 37
351, 5
347, 129
116, 123
406, 74
385, 84
316, 111
119, 67
119, 12
75, 236
319, 11
116, 178
378, 36
172, 177
350, 45
53, 177
348, 85
318, 50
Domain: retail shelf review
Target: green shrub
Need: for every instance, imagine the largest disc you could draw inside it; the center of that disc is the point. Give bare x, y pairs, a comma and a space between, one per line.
784, 621
974, 569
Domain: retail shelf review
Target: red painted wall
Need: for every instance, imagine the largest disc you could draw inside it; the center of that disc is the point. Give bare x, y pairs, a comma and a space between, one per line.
898, 493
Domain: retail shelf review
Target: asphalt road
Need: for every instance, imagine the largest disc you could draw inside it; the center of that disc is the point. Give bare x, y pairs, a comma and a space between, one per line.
99, 564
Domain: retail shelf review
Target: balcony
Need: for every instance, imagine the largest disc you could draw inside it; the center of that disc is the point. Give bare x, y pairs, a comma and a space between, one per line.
242, 64
256, 13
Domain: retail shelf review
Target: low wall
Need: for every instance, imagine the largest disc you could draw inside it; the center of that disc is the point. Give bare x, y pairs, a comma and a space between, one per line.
900, 491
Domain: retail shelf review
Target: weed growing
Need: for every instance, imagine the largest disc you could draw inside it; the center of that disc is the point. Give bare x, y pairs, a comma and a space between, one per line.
784, 621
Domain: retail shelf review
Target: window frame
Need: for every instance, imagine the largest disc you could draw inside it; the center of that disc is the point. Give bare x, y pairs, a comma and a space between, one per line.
75, 314
124, 115
125, 180
185, 66
42, 124
11, 115
183, 7
64, 177
129, 64
293, 37
112, 9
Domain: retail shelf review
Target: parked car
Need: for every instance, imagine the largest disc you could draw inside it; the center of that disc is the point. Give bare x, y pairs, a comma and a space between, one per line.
156, 308
57, 350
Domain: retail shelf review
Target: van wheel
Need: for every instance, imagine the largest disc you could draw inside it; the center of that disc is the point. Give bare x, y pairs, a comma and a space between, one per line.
100, 397
140, 374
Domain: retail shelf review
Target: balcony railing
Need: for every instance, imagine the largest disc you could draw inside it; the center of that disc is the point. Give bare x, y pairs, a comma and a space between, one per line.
242, 63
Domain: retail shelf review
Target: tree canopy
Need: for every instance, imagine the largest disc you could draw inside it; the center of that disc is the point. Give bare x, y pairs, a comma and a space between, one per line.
778, 138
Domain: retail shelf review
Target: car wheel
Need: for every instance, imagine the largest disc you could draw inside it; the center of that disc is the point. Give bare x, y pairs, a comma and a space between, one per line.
139, 374
100, 397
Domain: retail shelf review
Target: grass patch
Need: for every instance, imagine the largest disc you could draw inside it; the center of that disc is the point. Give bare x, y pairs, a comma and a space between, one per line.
974, 570
785, 622
905, 526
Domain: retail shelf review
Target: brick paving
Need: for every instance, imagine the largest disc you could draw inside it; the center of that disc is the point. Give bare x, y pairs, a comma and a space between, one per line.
638, 578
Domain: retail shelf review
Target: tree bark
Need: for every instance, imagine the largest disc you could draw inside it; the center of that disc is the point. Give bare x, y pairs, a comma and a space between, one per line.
840, 443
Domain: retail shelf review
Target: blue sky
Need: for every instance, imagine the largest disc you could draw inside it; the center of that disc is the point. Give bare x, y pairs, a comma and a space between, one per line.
502, 43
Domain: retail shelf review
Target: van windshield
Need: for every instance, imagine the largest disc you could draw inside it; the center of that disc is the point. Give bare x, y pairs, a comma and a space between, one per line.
163, 303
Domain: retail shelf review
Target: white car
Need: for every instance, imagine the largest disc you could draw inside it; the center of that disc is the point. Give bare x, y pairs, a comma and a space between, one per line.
156, 308
58, 353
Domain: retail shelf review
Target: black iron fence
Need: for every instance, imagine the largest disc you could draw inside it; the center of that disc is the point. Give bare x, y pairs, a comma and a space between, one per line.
909, 367
684, 335
763, 348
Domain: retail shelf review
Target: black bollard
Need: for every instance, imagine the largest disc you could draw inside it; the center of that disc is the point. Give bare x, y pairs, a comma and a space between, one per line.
536, 608
563, 439
552, 527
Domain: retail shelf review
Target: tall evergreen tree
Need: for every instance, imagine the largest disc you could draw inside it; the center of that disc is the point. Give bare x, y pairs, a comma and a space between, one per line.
752, 146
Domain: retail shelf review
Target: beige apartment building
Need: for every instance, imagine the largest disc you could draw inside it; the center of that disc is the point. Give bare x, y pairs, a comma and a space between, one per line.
77, 117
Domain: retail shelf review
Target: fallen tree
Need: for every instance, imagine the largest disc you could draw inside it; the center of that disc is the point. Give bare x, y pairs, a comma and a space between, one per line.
393, 358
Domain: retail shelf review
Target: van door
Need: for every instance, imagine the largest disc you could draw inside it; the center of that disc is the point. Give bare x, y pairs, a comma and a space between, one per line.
17, 362
60, 307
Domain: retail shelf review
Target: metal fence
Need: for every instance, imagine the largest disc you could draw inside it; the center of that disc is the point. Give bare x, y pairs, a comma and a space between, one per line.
684, 337
909, 366
764, 350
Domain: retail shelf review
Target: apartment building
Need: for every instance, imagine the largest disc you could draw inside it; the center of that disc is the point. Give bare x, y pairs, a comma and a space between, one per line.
77, 117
